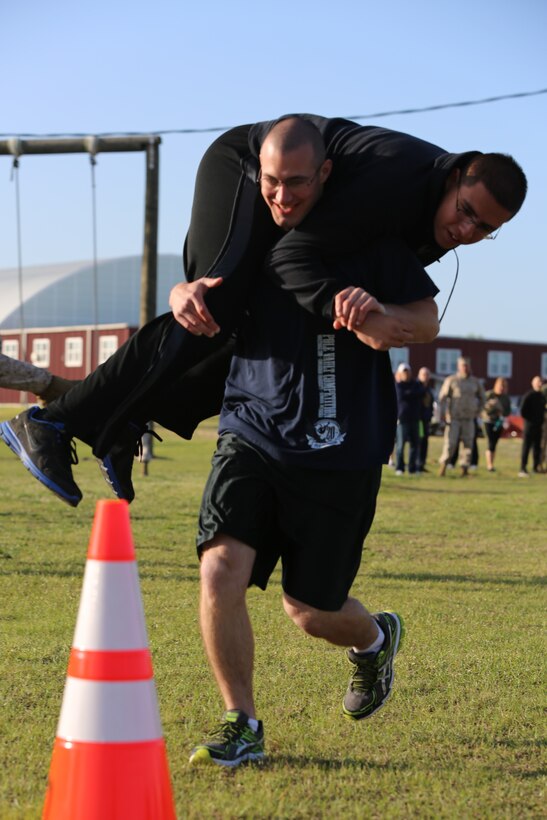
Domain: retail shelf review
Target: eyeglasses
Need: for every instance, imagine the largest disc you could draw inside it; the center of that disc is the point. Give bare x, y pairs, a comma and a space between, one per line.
294, 184
470, 219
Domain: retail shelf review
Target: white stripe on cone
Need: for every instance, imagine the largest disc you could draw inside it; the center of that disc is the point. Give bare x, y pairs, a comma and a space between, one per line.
109, 712
111, 615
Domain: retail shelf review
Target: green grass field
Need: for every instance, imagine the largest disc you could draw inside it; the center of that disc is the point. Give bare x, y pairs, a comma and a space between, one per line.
463, 734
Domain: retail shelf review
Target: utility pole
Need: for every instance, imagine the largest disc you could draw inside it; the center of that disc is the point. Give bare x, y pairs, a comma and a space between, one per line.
149, 268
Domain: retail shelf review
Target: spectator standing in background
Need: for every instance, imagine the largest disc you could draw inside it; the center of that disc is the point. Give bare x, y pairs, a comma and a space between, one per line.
497, 407
409, 408
532, 410
462, 398
543, 455
474, 452
428, 401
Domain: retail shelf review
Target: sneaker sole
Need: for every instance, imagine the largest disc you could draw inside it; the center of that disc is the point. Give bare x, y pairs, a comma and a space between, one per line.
9, 438
202, 757
400, 633
109, 475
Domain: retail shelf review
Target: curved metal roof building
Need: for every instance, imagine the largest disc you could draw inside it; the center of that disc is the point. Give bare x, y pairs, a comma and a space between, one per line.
64, 294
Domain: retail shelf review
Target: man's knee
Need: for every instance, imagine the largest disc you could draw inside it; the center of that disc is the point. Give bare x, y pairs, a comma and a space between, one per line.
307, 618
226, 565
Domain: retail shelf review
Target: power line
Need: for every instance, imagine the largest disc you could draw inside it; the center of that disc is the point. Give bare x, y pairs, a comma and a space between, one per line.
376, 115
451, 105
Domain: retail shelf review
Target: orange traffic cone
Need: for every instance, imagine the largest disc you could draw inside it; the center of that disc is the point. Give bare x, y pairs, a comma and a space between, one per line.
109, 760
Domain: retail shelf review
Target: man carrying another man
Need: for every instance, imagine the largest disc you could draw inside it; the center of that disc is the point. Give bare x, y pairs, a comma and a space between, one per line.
307, 420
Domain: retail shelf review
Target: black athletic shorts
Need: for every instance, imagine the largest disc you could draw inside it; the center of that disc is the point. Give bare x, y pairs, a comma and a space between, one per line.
314, 520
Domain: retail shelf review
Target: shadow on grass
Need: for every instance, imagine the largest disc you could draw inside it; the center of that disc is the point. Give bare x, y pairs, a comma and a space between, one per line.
458, 579
327, 764
446, 490
532, 775
511, 743
273, 762
77, 572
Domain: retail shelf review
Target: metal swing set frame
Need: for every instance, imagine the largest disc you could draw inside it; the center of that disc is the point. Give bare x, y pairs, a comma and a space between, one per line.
93, 145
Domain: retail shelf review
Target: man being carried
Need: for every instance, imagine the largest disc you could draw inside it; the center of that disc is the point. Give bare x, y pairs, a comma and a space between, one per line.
384, 184
18, 375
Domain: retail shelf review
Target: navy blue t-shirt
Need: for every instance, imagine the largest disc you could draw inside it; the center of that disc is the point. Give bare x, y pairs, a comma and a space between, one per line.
410, 396
311, 396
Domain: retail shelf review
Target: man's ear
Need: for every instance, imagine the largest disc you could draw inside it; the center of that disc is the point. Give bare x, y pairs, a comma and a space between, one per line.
325, 171
452, 179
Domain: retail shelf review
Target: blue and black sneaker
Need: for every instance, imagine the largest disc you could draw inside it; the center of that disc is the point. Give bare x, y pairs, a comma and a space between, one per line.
234, 742
372, 679
116, 466
46, 450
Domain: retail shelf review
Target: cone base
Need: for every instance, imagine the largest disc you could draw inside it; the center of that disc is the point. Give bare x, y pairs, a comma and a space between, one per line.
109, 781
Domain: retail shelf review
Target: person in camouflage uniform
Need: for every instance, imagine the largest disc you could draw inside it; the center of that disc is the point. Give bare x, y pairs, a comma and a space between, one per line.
462, 398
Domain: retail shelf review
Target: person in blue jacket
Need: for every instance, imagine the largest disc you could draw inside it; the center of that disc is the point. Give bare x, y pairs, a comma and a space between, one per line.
410, 394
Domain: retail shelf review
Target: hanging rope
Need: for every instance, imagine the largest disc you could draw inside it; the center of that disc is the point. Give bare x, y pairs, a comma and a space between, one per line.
93, 163
15, 178
92, 145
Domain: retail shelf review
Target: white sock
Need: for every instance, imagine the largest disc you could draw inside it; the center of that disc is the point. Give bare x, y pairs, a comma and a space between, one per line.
253, 723
375, 645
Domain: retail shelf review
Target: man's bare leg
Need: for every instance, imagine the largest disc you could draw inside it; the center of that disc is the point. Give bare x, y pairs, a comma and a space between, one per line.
352, 625
375, 642
226, 566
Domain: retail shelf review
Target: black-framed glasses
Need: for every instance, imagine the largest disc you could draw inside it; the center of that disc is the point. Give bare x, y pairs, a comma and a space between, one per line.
294, 184
469, 217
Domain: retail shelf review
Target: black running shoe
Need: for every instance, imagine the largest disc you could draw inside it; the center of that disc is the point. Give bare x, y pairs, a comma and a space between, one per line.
232, 743
372, 679
46, 450
117, 464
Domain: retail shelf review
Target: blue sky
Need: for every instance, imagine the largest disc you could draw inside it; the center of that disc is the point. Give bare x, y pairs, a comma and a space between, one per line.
122, 66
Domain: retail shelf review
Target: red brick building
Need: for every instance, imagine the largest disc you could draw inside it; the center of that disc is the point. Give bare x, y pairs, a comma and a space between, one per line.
71, 352
74, 317
518, 362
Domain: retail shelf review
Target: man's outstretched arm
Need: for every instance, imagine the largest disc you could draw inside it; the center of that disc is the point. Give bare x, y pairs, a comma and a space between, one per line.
423, 315
416, 322
187, 301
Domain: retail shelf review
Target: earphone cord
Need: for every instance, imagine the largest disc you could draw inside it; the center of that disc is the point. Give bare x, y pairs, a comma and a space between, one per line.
453, 285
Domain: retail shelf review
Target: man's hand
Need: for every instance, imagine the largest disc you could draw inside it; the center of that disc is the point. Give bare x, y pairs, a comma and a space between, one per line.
382, 331
352, 306
412, 323
187, 301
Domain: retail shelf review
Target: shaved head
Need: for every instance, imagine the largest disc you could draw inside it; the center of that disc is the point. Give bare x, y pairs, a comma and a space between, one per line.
291, 133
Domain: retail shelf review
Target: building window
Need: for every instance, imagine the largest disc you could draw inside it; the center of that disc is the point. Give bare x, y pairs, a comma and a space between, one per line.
544, 365
398, 355
11, 348
499, 363
107, 346
446, 361
40, 352
74, 351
